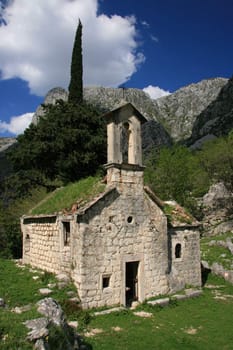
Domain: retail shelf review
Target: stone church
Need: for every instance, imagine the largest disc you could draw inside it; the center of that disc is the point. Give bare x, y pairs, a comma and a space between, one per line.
121, 246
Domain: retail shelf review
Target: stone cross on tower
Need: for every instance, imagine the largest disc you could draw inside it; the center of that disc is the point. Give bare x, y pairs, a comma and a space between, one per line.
124, 140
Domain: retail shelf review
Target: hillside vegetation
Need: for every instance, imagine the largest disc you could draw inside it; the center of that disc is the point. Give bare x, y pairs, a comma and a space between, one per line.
176, 173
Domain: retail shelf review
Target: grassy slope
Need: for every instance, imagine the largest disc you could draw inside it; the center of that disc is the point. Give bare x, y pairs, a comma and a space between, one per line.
167, 328
64, 197
18, 288
215, 253
209, 318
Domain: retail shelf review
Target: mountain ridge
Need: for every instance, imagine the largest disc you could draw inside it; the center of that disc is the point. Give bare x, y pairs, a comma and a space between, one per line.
179, 110
175, 114
187, 115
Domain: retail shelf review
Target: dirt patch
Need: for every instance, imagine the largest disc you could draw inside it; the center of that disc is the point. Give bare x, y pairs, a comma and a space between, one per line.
190, 330
143, 314
92, 332
219, 296
117, 329
213, 286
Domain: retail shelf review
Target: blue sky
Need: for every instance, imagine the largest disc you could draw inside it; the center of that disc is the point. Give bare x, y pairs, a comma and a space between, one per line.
158, 46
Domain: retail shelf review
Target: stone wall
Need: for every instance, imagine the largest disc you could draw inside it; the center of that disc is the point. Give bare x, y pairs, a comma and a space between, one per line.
131, 228
42, 244
121, 229
185, 258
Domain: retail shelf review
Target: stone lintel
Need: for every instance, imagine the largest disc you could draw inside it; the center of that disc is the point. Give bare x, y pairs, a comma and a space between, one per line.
125, 166
28, 219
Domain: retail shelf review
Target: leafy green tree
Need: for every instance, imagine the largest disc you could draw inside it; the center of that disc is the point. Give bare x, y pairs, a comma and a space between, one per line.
67, 144
76, 81
175, 173
216, 158
10, 235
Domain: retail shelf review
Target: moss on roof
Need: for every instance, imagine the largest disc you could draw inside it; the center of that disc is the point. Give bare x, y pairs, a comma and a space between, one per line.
177, 215
69, 198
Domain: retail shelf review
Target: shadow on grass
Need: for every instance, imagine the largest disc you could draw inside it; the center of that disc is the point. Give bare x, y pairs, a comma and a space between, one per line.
204, 274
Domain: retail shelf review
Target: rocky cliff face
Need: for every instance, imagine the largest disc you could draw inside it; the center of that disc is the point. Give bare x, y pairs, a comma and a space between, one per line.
153, 133
103, 98
179, 111
216, 119
6, 142
106, 99
194, 113
52, 96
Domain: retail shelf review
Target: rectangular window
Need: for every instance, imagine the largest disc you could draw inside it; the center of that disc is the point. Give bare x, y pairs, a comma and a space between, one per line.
66, 232
106, 281
178, 251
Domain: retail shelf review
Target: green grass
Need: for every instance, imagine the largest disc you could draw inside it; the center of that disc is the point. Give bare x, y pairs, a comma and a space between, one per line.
210, 320
18, 288
213, 253
65, 197
199, 323
12, 330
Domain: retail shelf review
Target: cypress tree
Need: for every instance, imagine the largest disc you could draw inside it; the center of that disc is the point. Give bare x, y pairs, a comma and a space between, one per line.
76, 80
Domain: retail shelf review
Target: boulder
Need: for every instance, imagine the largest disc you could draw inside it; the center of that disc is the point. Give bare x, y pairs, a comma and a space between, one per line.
217, 204
51, 310
2, 302
216, 195
38, 328
53, 322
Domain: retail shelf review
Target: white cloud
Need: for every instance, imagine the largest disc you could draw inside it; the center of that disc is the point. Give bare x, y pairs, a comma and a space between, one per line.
36, 44
17, 124
155, 92
145, 24
154, 38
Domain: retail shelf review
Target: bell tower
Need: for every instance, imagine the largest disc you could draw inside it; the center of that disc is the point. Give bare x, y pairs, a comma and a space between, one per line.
124, 153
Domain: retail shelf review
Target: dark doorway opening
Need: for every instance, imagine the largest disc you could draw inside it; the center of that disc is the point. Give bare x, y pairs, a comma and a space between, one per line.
131, 282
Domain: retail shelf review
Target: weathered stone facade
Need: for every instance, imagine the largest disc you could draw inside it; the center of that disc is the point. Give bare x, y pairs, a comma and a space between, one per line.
119, 247
44, 245
185, 257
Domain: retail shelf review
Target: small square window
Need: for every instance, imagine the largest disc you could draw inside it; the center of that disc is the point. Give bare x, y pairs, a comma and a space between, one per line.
106, 281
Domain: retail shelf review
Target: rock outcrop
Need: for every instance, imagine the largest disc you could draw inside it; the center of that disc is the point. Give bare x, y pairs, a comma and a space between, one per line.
194, 113
217, 210
6, 142
43, 330
108, 98
217, 118
154, 135
52, 96
179, 111
105, 99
